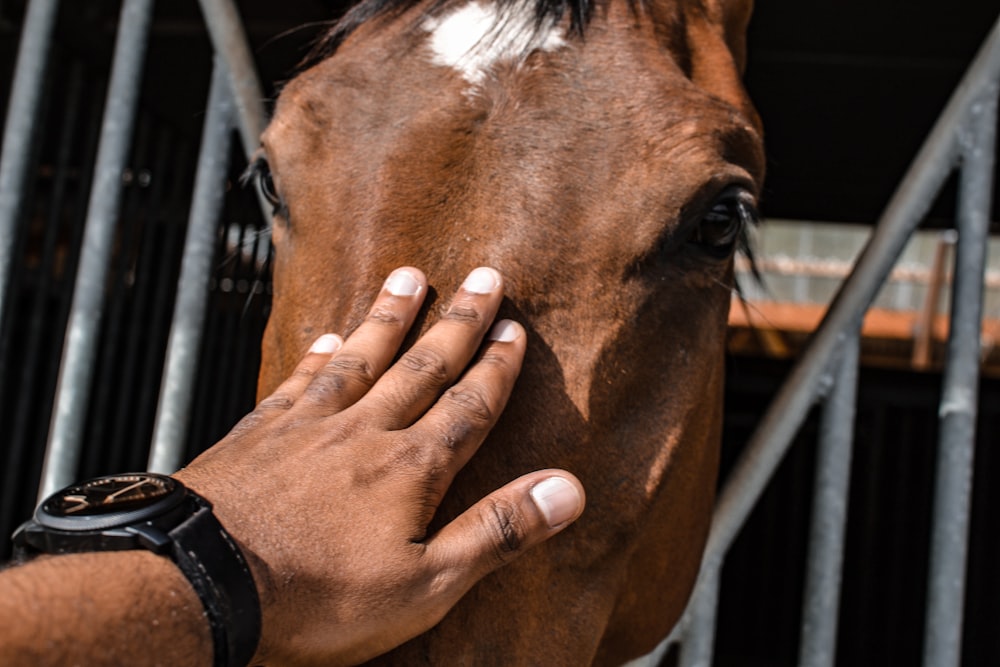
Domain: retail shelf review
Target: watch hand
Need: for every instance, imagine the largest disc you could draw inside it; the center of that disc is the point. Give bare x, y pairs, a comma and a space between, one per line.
81, 503
121, 491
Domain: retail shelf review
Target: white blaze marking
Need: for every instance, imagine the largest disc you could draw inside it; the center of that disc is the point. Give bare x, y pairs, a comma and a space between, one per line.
474, 37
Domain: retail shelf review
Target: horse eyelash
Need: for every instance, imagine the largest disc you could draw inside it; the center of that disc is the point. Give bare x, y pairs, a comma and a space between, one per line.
255, 170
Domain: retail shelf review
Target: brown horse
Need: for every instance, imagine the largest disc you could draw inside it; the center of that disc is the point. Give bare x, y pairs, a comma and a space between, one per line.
605, 158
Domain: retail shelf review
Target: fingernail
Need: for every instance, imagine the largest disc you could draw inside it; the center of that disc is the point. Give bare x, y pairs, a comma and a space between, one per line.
326, 344
402, 283
504, 331
557, 499
481, 281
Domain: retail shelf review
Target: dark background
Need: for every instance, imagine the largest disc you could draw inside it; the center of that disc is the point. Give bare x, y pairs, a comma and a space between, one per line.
847, 91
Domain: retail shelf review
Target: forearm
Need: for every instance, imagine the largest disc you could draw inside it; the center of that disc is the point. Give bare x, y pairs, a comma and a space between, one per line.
109, 608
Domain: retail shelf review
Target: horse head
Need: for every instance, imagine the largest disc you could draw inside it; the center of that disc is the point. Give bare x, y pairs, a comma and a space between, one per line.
606, 159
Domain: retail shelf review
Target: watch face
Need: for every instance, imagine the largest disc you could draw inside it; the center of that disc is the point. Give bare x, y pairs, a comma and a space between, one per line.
113, 494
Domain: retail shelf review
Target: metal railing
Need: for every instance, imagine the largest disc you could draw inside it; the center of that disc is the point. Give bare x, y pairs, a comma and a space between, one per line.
963, 138
234, 85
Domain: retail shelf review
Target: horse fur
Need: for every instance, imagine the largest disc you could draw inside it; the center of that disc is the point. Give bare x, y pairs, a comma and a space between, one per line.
589, 174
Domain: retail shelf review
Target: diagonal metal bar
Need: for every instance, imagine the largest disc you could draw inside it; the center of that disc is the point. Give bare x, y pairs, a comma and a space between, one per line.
229, 39
230, 42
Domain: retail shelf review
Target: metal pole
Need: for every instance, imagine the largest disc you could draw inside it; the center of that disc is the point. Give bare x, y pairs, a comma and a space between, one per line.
76, 373
698, 636
225, 28
923, 332
177, 388
230, 41
811, 377
19, 129
821, 602
953, 485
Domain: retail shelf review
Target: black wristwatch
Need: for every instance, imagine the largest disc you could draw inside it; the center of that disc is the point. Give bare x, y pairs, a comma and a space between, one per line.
158, 513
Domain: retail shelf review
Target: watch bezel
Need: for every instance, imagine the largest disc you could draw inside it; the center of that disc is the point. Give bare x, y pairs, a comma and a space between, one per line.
156, 507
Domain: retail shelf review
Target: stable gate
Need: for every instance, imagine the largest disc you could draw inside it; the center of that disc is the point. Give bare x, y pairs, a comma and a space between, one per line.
111, 329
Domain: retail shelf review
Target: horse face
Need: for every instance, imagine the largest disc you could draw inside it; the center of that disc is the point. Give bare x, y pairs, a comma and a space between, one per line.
607, 178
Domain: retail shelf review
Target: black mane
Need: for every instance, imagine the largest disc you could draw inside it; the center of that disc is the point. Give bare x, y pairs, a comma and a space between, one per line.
546, 12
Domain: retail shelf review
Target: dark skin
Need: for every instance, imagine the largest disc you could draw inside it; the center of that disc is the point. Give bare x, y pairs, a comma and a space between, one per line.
351, 466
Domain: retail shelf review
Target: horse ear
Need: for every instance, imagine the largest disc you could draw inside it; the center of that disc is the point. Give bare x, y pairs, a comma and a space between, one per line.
733, 16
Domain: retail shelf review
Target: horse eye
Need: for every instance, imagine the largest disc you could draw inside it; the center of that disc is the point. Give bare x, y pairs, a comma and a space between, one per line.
266, 181
722, 226
260, 171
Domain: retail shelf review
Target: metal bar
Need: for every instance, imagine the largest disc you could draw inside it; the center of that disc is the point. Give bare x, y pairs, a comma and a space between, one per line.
229, 38
106, 407
923, 332
19, 129
167, 237
953, 485
33, 371
821, 602
698, 636
811, 376
75, 376
173, 412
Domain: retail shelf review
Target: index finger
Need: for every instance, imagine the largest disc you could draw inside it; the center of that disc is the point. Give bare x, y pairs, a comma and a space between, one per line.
437, 360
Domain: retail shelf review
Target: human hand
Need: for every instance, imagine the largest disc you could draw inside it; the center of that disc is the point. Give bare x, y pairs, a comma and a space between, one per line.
330, 483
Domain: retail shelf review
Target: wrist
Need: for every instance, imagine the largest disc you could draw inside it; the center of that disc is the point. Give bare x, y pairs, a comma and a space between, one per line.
143, 511
242, 536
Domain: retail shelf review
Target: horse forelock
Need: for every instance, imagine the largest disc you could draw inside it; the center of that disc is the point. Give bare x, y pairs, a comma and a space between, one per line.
532, 20
472, 37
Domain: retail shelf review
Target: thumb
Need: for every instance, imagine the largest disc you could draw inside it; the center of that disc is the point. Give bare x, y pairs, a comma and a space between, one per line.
505, 524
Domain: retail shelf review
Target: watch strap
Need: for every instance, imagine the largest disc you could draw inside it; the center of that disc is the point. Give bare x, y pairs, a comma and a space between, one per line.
219, 574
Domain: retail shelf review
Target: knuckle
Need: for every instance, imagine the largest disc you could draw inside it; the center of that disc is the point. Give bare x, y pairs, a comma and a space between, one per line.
506, 531
428, 364
325, 388
447, 438
462, 312
276, 402
250, 422
471, 404
382, 314
498, 359
347, 366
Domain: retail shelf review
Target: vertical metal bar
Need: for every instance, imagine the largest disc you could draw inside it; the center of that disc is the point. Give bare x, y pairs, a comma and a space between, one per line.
698, 639
76, 373
821, 602
177, 388
923, 332
19, 128
953, 485
33, 372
